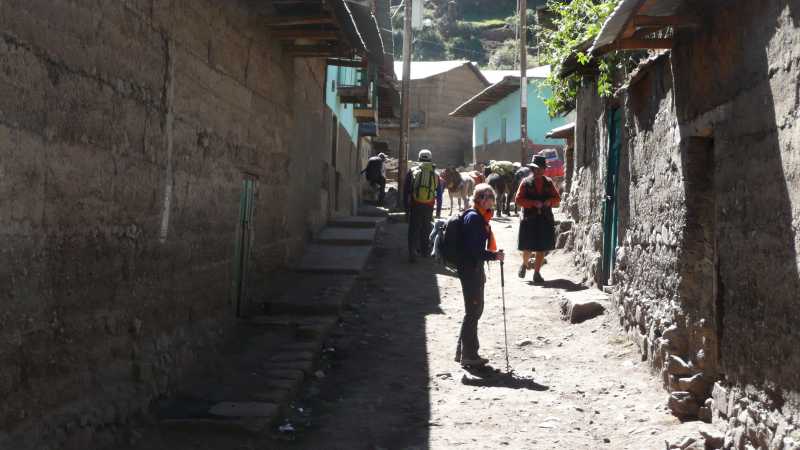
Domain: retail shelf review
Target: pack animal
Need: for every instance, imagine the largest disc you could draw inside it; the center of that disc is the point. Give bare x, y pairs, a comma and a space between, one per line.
459, 185
519, 175
503, 185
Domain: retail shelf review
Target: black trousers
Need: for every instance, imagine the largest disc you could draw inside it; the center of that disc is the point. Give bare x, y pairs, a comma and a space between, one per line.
380, 184
472, 280
419, 229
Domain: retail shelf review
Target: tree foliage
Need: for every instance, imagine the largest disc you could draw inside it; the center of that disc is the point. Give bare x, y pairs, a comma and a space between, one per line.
575, 23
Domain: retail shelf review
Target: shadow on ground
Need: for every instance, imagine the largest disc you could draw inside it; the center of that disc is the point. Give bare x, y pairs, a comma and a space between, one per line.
489, 377
375, 389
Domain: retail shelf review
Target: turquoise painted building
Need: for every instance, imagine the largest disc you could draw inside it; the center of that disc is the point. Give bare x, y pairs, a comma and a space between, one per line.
495, 114
344, 112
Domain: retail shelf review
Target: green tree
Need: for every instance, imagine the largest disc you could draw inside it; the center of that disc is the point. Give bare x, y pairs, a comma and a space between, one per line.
574, 24
505, 56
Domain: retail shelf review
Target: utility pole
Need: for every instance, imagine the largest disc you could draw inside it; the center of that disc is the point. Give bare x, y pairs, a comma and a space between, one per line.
402, 166
523, 78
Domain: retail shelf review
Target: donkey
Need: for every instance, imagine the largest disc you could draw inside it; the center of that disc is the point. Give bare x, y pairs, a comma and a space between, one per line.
503, 186
521, 173
460, 185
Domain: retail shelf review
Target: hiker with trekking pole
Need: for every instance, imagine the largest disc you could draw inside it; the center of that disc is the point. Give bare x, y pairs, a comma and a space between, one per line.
476, 245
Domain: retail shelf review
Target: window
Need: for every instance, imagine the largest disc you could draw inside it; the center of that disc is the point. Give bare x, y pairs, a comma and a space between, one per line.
417, 119
504, 130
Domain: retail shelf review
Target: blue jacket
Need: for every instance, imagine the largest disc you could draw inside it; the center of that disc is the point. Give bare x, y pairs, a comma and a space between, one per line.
475, 238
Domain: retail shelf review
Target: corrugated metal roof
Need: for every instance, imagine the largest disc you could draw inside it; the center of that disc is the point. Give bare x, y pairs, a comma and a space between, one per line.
487, 97
618, 24
495, 76
426, 69
561, 132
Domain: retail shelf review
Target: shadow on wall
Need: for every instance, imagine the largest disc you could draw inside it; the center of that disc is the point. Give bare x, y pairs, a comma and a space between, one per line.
740, 268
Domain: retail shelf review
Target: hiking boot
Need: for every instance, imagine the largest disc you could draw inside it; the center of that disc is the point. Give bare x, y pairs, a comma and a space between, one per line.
522, 270
474, 362
537, 278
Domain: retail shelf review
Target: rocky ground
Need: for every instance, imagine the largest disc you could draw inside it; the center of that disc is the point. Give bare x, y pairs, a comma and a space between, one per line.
388, 379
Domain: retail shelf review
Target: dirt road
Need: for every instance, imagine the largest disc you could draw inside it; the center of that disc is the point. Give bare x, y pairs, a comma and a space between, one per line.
389, 379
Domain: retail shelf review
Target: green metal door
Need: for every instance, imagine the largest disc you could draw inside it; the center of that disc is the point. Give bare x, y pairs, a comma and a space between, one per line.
242, 243
610, 211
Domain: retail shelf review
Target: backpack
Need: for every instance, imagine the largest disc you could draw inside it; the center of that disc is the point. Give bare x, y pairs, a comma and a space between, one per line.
373, 170
450, 246
423, 183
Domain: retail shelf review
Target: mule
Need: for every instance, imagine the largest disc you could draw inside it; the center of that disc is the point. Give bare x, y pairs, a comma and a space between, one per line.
519, 175
459, 185
503, 186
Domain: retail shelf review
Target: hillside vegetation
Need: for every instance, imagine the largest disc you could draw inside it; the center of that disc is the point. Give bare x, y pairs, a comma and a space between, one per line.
483, 31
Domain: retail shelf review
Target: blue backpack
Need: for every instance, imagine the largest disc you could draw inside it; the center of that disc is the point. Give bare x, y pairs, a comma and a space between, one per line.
450, 247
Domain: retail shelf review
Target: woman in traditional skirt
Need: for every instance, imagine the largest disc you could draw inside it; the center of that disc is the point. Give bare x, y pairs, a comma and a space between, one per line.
538, 196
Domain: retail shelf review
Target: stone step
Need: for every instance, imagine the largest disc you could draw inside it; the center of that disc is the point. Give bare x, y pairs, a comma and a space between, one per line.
311, 294
372, 211
345, 236
316, 328
357, 221
332, 259
250, 417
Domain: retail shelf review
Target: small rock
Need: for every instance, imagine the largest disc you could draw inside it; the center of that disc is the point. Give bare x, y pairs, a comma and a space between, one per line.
524, 342
683, 405
678, 367
696, 384
577, 309
704, 414
713, 437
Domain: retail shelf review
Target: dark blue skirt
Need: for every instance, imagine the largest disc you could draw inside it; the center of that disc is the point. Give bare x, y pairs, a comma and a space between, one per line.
537, 231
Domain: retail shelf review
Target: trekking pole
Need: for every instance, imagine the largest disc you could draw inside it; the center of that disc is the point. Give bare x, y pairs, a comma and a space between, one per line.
505, 327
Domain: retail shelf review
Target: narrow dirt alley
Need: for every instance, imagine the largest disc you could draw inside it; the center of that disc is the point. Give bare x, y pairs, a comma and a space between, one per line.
390, 380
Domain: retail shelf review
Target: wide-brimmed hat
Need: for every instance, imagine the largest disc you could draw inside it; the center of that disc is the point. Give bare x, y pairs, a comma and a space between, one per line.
539, 162
425, 155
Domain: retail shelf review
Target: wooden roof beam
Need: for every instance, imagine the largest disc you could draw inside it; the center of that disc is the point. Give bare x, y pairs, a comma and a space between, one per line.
641, 44
342, 62
310, 51
316, 35
286, 21
663, 21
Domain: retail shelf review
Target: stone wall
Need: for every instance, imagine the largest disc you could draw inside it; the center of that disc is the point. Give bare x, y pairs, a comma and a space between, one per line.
126, 130
707, 280
584, 203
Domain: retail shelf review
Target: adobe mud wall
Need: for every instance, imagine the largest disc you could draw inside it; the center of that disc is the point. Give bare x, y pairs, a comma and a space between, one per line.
126, 130
706, 280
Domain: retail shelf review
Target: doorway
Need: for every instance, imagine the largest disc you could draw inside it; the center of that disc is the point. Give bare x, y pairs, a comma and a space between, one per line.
243, 243
610, 204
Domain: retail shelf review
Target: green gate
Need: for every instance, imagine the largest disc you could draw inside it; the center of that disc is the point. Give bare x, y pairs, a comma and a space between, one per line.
242, 243
610, 206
